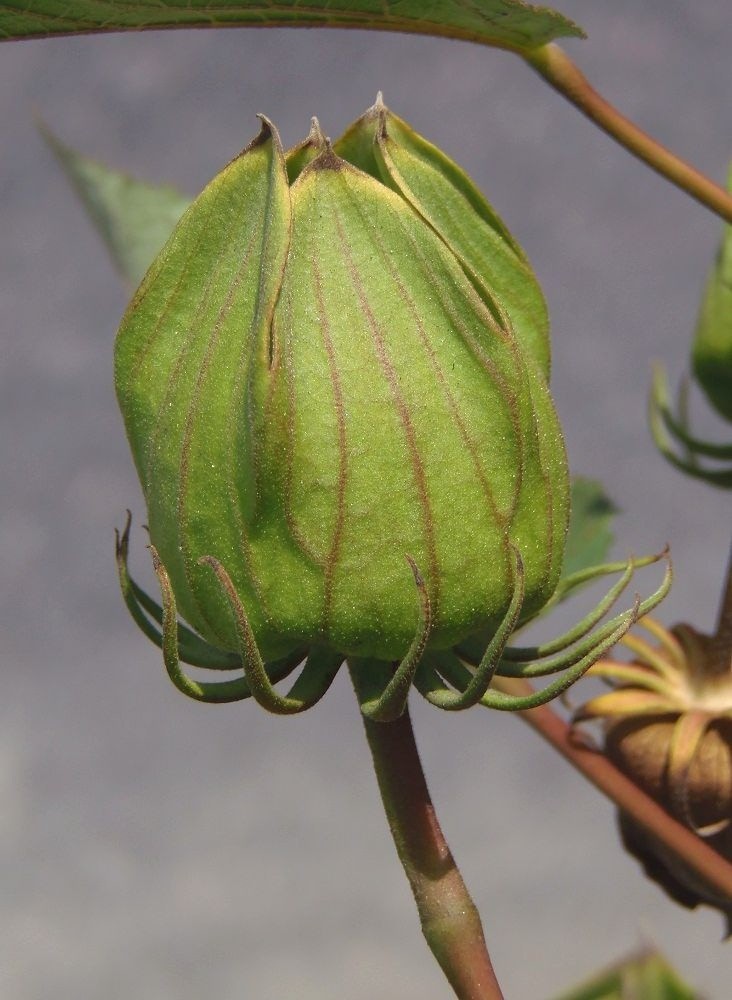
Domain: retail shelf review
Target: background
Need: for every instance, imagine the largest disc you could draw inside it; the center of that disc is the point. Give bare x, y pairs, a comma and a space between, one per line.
163, 850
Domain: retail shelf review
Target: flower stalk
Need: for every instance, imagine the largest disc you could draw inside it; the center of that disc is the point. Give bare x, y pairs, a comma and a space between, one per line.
450, 921
555, 66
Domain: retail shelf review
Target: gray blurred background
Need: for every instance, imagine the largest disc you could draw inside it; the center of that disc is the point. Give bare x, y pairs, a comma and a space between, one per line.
157, 849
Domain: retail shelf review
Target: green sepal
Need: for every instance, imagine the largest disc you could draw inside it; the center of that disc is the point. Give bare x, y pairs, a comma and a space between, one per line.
443, 195
303, 154
374, 304
193, 340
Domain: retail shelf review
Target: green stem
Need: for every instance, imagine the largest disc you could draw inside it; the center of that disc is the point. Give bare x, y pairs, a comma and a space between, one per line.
560, 72
450, 921
603, 774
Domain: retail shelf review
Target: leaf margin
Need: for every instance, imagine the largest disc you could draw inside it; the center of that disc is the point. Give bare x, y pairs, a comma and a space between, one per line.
512, 24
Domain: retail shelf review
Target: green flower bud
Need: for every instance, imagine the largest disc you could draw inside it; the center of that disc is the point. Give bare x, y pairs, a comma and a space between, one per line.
333, 380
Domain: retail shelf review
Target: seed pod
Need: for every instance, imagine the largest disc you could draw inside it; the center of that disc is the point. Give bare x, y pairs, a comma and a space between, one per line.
642, 748
668, 727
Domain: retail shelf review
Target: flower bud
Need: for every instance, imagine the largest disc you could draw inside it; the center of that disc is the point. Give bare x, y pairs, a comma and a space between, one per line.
334, 383
315, 386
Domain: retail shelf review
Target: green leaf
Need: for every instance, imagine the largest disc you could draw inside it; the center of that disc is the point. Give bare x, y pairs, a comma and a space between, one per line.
712, 351
590, 536
507, 23
133, 218
647, 976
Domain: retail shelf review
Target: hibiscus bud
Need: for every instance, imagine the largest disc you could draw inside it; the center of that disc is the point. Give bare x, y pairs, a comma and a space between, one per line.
334, 383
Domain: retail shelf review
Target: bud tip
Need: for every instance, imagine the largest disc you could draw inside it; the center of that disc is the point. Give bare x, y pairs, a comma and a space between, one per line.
316, 136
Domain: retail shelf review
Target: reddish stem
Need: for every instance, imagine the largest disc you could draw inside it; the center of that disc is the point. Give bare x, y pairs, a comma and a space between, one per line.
603, 774
555, 66
450, 921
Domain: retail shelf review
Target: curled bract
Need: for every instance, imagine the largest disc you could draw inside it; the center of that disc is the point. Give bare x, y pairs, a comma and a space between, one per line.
334, 383
709, 461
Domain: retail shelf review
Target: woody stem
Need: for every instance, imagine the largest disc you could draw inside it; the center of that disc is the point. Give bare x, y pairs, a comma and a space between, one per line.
450, 921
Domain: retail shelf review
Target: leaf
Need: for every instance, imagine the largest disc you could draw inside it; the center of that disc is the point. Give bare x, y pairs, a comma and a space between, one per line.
646, 976
510, 24
134, 219
589, 538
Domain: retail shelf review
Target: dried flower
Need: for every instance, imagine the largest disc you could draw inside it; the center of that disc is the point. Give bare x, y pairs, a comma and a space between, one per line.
668, 726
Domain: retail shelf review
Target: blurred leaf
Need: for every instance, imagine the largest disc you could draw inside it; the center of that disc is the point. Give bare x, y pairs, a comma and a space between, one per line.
646, 976
712, 351
509, 23
590, 536
133, 218
588, 542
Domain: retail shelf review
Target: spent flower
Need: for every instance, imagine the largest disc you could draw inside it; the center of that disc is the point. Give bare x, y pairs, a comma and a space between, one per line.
668, 726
